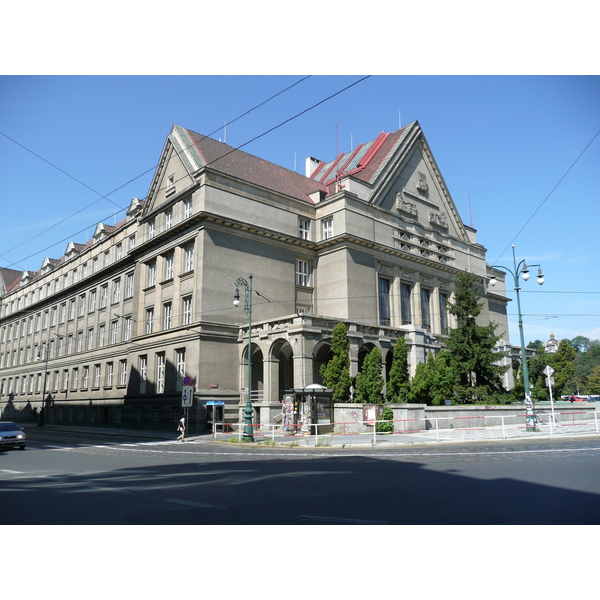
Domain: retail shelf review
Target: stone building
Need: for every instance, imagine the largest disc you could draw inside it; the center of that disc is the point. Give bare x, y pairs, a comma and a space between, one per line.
107, 332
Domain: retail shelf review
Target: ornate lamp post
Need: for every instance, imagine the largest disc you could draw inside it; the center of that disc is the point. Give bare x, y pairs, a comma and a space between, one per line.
523, 270
248, 411
39, 357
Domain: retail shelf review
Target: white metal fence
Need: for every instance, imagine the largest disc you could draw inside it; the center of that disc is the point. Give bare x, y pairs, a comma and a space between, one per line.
436, 428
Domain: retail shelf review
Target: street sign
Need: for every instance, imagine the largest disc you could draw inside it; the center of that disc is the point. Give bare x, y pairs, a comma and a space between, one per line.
548, 371
187, 395
549, 381
187, 380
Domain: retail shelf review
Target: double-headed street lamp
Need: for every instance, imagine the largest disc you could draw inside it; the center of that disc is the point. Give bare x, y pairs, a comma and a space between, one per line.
522, 269
248, 411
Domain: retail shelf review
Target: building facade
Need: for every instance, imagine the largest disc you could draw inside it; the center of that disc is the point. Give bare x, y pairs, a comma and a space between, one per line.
107, 332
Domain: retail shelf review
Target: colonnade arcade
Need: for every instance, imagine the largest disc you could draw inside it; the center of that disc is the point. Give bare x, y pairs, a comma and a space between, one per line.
288, 354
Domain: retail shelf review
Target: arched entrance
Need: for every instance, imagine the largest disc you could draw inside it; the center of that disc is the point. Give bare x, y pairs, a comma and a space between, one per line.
282, 357
322, 354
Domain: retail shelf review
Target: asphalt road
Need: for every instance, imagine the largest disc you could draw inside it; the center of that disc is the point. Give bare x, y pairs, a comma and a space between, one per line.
75, 478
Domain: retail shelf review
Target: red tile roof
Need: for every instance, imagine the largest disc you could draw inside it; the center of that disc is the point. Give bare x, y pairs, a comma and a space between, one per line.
236, 163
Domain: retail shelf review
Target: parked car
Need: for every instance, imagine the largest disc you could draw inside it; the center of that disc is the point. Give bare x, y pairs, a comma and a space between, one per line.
12, 435
574, 399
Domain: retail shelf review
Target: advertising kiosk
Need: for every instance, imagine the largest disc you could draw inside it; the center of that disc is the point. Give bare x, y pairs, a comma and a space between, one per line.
308, 411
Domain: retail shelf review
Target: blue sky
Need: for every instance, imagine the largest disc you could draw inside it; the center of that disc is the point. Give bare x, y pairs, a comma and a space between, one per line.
505, 141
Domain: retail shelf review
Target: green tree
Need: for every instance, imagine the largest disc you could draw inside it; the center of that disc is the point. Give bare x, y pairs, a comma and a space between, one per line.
535, 344
434, 381
398, 382
593, 382
537, 380
370, 382
336, 373
470, 344
385, 422
563, 362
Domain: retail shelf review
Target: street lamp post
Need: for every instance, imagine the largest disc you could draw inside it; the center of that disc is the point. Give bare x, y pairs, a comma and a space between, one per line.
248, 411
41, 421
522, 269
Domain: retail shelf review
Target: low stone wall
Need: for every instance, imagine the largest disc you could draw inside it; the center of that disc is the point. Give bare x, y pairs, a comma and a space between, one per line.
353, 418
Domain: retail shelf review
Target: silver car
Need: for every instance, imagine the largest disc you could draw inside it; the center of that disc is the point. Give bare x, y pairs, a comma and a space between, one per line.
11, 435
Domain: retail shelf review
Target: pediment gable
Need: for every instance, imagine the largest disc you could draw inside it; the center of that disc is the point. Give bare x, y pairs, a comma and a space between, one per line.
409, 184
173, 174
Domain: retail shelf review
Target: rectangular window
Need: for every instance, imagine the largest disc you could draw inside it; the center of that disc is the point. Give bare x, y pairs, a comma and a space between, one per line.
72, 310
92, 300
122, 372
104, 296
188, 258
79, 341
107, 258
63, 312
143, 373
169, 264
109, 374
443, 314
151, 229
116, 290
129, 290
90, 338
75, 382
101, 332
405, 299
425, 297
180, 361
95, 265
85, 376
114, 333
160, 373
127, 328
119, 251
169, 219
131, 242
384, 301
96, 376
302, 272
187, 310
149, 320
303, 228
167, 315
327, 228
187, 208
70, 344
151, 273
82, 305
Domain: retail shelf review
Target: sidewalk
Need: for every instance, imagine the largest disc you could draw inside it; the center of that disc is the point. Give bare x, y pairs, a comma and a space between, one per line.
488, 434
432, 436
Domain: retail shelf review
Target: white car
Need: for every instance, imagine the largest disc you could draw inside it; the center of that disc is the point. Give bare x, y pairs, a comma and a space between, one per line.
12, 435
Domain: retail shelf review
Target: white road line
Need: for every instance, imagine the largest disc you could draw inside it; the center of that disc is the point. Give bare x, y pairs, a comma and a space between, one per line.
341, 520
191, 503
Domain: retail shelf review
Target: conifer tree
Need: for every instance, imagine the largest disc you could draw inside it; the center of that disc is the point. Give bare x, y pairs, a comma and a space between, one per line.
370, 382
474, 363
434, 381
336, 373
397, 385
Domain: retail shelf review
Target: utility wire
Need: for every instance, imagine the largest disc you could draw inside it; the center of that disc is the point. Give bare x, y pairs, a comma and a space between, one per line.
546, 198
105, 197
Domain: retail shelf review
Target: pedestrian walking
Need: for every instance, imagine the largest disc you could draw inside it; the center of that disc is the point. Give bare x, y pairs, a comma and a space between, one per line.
181, 429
